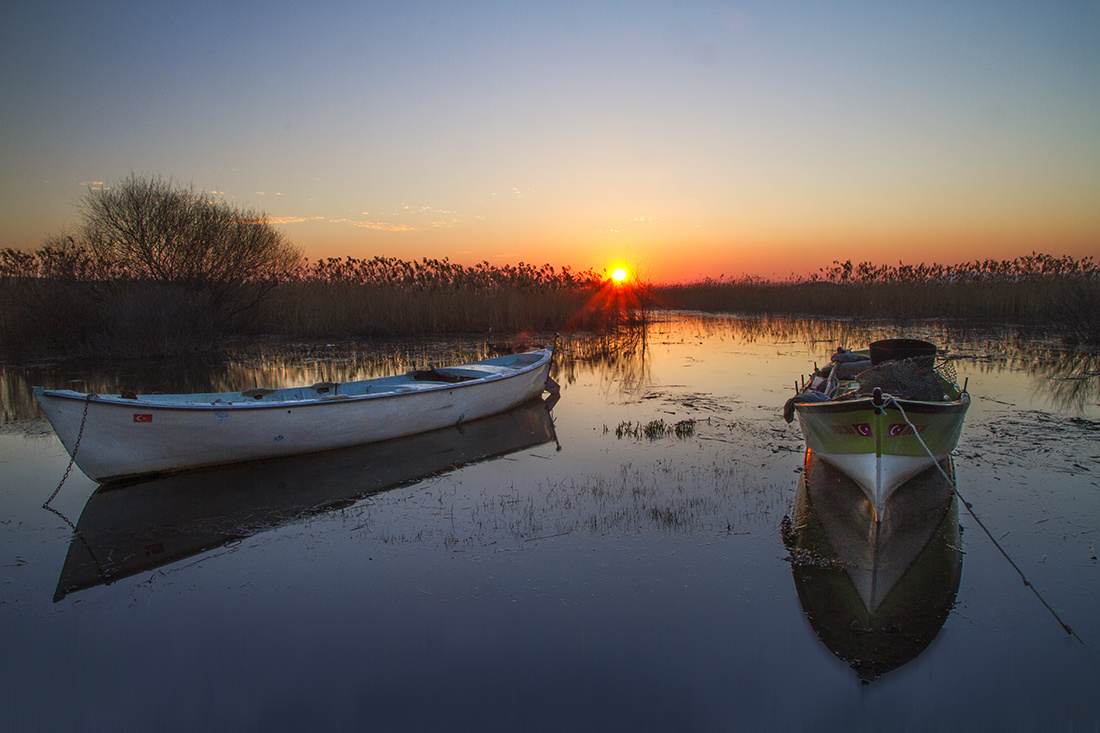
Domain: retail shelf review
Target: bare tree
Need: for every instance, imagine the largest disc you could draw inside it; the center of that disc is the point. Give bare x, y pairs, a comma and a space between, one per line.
150, 229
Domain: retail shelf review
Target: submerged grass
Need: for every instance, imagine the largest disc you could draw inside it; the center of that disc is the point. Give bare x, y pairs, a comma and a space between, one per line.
654, 429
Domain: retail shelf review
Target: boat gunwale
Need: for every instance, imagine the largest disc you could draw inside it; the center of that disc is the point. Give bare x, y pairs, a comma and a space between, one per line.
866, 403
115, 400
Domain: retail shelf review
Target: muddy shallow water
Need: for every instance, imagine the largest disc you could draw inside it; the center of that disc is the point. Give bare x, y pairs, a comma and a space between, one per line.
623, 559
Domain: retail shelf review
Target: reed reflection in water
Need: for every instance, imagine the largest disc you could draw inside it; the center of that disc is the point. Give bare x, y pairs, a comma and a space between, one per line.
631, 579
1069, 376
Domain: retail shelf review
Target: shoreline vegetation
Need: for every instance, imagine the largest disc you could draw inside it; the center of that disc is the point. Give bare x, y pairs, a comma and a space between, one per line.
77, 313
1057, 295
54, 302
157, 269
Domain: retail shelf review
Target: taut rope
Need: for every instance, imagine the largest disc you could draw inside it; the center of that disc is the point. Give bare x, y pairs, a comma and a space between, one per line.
970, 509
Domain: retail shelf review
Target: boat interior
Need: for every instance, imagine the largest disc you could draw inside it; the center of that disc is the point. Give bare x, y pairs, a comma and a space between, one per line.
413, 381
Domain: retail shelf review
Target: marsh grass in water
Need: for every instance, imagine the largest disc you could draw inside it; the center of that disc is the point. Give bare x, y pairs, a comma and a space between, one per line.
52, 308
669, 496
654, 429
80, 311
1038, 290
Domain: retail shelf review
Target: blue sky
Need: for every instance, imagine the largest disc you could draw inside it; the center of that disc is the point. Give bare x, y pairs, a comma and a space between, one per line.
690, 139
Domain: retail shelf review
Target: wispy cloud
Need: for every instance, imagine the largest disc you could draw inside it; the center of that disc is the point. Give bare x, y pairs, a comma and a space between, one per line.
404, 218
423, 216
384, 226
513, 191
292, 219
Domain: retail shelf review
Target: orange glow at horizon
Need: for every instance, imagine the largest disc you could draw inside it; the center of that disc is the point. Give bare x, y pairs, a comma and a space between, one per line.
688, 257
621, 155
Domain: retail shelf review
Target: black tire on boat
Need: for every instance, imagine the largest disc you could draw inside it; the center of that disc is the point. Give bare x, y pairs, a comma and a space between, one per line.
897, 349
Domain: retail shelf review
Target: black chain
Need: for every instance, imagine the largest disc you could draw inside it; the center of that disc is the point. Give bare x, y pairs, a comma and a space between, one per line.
72, 458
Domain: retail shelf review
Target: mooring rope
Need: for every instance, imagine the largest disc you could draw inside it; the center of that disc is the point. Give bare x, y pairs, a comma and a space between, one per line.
970, 509
72, 460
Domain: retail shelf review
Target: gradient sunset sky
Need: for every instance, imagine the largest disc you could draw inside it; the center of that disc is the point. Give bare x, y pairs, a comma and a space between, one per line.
689, 139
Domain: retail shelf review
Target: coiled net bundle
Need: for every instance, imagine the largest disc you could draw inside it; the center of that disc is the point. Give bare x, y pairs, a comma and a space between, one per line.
923, 378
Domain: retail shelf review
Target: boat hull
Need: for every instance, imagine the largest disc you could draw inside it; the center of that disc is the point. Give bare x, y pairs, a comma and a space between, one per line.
147, 525
882, 447
119, 438
875, 593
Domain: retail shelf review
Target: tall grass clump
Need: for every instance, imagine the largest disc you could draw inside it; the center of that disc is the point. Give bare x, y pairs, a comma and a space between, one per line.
48, 296
390, 296
61, 297
1039, 290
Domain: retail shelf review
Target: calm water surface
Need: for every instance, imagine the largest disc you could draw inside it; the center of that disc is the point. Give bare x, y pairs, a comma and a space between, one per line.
563, 567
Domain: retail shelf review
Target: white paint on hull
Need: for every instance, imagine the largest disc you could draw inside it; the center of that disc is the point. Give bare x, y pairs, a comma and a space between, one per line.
878, 476
124, 438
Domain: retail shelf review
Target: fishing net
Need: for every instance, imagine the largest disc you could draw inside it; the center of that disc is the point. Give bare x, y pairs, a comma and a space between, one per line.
919, 378
945, 370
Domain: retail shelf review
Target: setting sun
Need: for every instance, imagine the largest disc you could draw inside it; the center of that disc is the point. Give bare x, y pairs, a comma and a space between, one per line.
619, 275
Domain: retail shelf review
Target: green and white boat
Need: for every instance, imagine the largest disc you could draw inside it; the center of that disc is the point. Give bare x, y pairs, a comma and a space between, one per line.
876, 593
883, 415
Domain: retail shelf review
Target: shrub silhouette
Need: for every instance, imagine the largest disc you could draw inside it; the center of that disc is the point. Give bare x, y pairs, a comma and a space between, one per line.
152, 268
154, 231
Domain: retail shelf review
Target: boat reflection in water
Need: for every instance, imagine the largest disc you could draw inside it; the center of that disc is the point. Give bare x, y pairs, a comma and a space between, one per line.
875, 593
124, 530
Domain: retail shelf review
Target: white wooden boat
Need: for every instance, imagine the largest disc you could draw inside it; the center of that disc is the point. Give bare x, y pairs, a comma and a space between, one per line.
882, 437
151, 524
114, 437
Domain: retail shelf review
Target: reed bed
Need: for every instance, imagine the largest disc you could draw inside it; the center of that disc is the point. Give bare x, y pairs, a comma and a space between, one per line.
56, 300
388, 296
47, 305
349, 310
1058, 294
